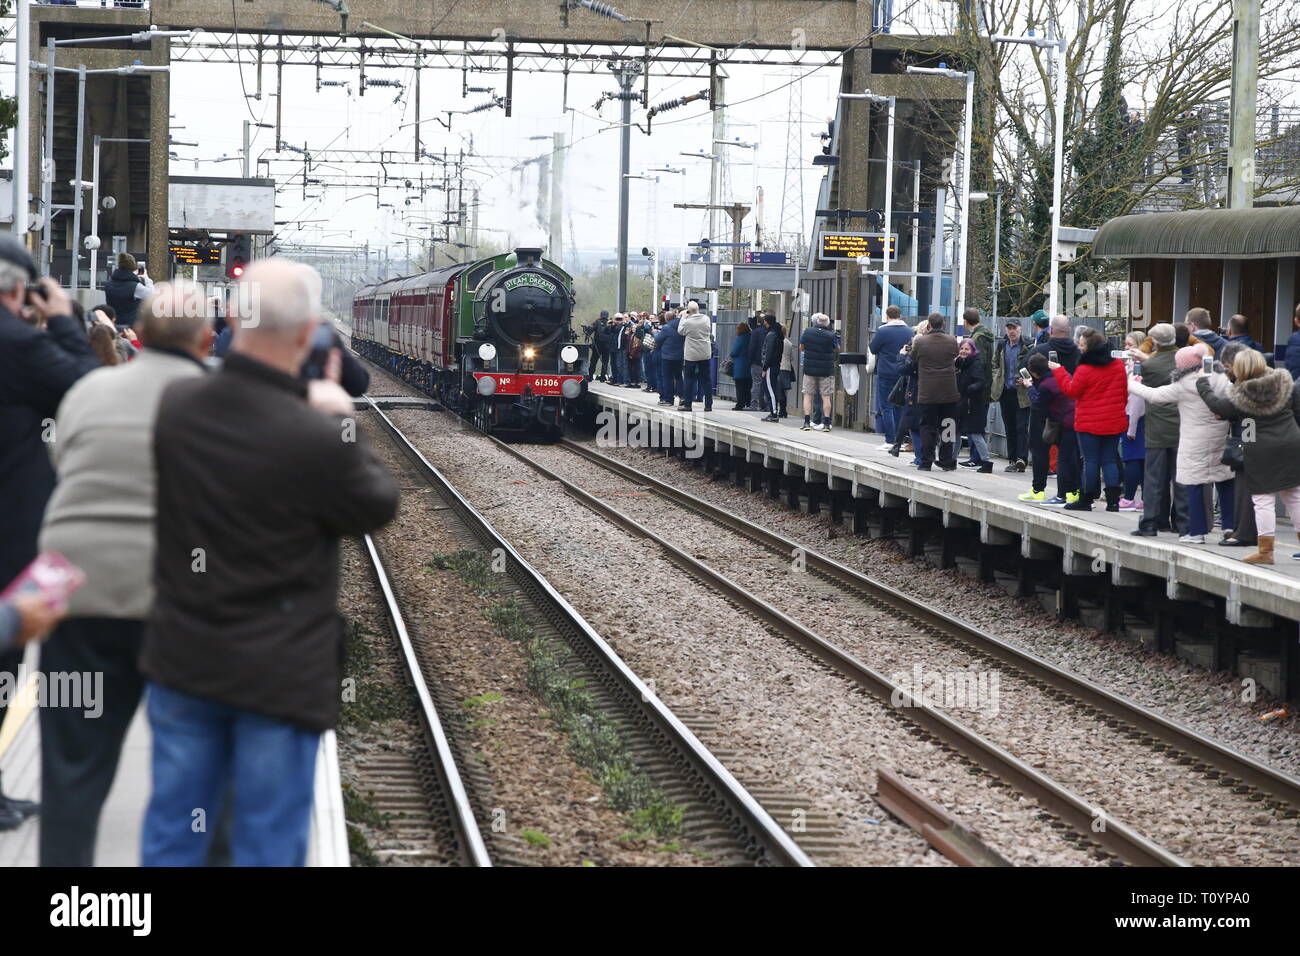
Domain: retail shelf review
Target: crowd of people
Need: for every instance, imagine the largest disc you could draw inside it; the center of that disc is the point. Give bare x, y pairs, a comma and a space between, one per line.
672, 353
1181, 424
1158, 428
202, 503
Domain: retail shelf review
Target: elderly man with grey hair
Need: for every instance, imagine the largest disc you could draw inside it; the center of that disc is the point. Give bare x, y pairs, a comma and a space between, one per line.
101, 517
259, 476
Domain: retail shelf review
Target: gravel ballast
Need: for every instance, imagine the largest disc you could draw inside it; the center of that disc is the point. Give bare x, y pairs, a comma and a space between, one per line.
1136, 784
546, 809
1210, 703
784, 717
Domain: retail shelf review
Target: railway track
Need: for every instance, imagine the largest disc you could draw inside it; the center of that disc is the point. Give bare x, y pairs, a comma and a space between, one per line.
455, 836
1218, 766
721, 815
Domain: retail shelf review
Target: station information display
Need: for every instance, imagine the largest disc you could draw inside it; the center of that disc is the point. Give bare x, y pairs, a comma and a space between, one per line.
852, 245
194, 253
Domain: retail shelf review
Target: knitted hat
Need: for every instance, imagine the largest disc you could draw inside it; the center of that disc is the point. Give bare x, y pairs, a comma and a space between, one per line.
1189, 356
1163, 334
1039, 319
604, 314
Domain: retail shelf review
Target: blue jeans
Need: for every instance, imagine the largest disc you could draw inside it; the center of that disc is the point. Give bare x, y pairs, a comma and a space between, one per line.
203, 749
886, 411
1100, 453
1199, 520
652, 366
1132, 477
620, 367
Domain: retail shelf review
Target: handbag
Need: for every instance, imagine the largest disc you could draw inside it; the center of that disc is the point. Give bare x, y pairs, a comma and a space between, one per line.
1051, 432
1234, 453
898, 394
728, 367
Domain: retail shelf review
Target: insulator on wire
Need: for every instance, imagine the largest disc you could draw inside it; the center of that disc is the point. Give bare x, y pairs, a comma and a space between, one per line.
601, 8
678, 102
495, 101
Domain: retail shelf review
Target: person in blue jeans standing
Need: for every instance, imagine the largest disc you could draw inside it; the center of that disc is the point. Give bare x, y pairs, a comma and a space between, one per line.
258, 476
669, 346
887, 363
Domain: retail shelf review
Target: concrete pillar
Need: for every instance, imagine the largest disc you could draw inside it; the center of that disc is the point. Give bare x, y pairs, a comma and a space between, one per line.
1182, 289
1231, 290
1286, 299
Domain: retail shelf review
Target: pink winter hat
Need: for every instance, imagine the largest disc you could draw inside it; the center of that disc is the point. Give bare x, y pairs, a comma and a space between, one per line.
1189, 356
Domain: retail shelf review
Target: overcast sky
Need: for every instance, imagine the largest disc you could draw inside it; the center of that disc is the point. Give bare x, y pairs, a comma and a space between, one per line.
209, 106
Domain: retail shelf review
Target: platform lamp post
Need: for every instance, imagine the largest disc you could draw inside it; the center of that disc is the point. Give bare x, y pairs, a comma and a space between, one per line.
886, 249
997, 243
47, 165
1058, 152
959, 273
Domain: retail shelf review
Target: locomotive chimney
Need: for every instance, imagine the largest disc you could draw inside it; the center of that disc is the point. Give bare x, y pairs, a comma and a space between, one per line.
528, 256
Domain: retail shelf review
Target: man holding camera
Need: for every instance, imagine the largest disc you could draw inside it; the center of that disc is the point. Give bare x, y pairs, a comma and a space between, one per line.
126, 288
37, 366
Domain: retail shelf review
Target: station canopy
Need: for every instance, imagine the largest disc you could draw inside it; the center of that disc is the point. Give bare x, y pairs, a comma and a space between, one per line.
1265, 232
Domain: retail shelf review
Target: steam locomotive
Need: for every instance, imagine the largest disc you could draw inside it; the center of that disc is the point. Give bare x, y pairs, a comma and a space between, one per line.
491, 339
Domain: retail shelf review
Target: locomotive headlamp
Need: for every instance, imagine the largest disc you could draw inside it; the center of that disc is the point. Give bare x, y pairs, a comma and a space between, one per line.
571, 388
487, 384
568, 354
529, 353
487, 352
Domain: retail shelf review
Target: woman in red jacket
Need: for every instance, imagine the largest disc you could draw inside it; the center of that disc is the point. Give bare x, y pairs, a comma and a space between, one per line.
1099, 388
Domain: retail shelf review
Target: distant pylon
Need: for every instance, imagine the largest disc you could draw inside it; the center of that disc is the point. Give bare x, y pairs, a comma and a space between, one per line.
790, 232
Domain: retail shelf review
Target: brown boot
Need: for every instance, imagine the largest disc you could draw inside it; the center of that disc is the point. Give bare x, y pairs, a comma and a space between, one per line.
1264, 554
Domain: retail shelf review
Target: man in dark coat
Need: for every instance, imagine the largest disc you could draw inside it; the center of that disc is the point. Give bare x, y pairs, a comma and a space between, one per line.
36, 368
1239, 331
126, 288
773, 350
760, 401
887, 364
259, 475
819, 346
1060, 341
601, 363
936, 364
671, 348
1160, 484
1293, 347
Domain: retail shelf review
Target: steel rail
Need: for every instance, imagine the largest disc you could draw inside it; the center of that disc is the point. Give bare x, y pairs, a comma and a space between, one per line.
940, 829
1194, 744
473, 851
765, 833
1083, 816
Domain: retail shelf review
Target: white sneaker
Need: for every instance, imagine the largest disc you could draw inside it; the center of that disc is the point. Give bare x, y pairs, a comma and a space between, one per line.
818, 427
1192, 539
886, 446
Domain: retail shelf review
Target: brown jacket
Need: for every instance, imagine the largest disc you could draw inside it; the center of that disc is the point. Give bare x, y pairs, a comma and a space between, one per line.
935, 354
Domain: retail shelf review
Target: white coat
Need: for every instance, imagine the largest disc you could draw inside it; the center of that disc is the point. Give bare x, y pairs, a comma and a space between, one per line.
1201, 433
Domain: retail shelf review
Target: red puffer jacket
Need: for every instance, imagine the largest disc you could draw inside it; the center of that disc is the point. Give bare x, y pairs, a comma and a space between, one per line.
1099, 388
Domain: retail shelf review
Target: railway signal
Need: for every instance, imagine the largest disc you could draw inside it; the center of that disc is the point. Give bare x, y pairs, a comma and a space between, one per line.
239, 250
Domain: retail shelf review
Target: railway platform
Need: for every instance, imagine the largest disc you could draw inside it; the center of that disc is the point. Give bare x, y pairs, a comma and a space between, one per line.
120, 823
1236, 616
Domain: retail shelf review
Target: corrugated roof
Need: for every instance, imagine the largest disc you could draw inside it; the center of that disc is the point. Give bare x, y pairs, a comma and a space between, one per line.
1203, 233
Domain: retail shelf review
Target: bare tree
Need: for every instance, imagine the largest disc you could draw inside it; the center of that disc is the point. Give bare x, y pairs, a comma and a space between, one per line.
1145, 121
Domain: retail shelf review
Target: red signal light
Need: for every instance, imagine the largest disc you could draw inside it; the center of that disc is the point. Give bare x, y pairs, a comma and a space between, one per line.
236, 271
